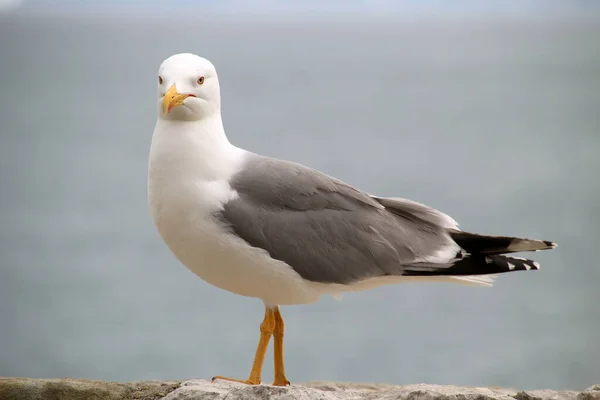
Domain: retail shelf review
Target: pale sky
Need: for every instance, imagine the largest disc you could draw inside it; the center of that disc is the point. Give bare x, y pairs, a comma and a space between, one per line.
277, 6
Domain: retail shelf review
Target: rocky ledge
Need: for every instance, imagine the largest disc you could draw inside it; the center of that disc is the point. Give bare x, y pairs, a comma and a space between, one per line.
81, 389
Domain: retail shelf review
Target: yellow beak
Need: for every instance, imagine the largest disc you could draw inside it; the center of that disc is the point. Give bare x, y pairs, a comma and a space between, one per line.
173, 99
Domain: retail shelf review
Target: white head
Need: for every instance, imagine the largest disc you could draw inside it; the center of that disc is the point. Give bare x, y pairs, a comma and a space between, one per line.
188, 88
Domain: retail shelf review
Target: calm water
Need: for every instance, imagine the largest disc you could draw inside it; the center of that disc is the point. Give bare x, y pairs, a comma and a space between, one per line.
495, 122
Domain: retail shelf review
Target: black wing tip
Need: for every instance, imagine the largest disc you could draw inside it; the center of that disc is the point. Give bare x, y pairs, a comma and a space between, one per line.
476, 265
489, 245
509, 264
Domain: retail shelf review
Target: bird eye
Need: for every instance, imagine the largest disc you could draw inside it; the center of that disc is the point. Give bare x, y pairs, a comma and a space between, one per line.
160, 81
200, 80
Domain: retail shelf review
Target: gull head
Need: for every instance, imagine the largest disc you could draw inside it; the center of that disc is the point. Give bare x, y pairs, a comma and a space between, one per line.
188, 88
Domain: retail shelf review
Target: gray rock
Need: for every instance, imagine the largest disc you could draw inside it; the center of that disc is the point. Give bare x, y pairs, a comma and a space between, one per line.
591, 393
200, 389
80, 389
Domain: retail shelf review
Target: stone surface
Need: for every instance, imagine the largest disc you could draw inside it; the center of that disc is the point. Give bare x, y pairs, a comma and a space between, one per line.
591, 393
81, 389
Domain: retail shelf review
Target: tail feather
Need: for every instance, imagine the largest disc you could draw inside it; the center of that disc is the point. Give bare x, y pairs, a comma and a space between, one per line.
482, 255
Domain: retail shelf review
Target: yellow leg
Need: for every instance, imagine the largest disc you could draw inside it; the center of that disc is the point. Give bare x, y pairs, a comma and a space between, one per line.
280, 379
266, 331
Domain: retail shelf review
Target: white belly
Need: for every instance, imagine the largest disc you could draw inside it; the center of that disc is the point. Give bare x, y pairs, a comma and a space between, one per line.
186, 224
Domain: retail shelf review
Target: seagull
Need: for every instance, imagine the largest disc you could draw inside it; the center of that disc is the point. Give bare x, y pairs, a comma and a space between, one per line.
287, 234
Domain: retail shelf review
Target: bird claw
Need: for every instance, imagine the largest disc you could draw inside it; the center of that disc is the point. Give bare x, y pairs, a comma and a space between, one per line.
276, 382
224, 378
281, 382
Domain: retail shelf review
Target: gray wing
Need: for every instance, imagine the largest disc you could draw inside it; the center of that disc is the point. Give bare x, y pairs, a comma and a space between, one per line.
326, 230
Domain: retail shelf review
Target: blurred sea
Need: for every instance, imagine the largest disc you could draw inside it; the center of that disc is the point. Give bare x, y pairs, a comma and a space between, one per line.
494, 121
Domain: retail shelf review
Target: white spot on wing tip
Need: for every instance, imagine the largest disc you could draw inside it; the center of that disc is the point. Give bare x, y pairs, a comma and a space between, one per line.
536, 265
511, 266
488, 260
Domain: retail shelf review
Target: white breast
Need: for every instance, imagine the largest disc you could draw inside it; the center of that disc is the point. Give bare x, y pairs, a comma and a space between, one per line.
187, 183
